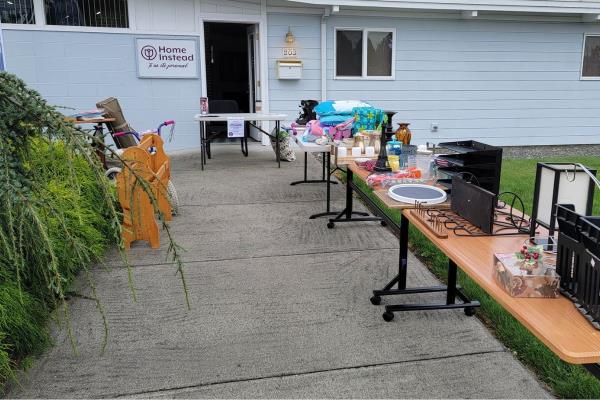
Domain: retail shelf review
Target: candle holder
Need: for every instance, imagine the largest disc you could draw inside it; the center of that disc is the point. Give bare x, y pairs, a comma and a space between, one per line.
386, 135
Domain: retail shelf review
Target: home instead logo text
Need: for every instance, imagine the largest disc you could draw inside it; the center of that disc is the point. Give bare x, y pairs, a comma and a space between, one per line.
166, 57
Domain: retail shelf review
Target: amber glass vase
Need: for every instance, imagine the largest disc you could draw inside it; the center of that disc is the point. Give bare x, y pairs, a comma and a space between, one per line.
403, 134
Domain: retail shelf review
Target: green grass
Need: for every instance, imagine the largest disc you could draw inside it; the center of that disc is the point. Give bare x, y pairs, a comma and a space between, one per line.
565, 380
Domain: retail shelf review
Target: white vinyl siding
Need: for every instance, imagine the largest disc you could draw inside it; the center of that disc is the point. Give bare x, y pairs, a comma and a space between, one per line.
501, 82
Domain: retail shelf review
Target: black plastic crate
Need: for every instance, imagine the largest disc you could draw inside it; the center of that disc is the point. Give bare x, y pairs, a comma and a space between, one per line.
590, 234
577, 262
588, 290
569, 222
570, 254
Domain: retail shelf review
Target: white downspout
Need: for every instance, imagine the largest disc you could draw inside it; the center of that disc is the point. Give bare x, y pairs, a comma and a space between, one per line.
324, 17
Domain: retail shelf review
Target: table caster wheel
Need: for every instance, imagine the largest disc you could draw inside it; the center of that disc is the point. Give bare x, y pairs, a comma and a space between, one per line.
469, 311
375, 300
383, 223
388, 316
330, 225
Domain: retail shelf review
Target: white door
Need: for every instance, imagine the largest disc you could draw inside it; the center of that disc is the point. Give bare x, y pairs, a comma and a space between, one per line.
254, 77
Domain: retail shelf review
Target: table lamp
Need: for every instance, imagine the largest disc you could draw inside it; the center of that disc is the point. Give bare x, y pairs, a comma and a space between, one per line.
560, 183
386, 135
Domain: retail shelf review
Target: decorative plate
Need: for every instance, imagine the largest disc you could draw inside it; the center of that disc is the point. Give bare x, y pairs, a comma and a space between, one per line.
416, 192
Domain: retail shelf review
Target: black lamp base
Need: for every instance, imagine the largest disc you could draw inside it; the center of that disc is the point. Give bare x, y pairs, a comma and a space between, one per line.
383, 168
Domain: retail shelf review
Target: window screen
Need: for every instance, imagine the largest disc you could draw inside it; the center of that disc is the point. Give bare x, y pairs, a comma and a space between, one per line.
591, 57
17, 12
349, 53
97, 13
379, 54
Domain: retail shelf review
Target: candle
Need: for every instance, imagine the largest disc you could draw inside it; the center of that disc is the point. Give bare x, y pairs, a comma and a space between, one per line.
342, 151
356, 152
370, 151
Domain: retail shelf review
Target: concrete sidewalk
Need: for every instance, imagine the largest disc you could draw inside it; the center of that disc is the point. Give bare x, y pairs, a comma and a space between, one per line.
280, 306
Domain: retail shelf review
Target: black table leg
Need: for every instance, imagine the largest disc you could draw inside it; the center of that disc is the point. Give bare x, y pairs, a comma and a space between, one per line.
346, 215
452, 289
244, 140
277, 145
328, 212
202, 145
306, 180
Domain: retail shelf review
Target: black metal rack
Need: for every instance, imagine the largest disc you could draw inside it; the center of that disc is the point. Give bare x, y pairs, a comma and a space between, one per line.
578, 261
473, 158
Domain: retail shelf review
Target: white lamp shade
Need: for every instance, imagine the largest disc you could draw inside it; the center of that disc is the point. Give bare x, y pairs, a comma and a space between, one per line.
570, 191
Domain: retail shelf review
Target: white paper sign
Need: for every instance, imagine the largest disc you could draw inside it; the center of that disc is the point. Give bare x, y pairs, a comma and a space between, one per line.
235, 127
167, 58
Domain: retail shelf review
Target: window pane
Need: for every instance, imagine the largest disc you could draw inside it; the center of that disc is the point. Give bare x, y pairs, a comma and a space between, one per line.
591, 57
17, 12
349, 53
379, 54
98, 13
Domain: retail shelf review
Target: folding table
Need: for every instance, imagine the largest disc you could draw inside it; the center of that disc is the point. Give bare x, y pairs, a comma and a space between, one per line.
556, 322
246, 117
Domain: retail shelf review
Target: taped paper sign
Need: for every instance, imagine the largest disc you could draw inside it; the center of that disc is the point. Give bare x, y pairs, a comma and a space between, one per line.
235, 127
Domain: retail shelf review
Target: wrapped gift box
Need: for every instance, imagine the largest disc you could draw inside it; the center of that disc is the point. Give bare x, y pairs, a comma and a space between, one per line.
522, 280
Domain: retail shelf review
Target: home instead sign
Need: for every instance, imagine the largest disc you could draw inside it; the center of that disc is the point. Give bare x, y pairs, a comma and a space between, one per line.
167, 58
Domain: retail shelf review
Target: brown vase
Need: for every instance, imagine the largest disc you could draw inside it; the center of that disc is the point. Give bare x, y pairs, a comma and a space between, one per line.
403, 134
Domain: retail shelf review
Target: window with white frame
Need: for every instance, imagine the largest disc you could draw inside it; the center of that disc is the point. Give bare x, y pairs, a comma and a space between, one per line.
93, 13
590, 66
364, 53
17, 12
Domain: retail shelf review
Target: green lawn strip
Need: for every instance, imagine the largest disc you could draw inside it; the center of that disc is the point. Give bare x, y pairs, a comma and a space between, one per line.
565, 380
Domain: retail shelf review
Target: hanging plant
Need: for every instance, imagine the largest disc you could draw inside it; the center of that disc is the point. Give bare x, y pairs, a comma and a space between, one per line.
58, 212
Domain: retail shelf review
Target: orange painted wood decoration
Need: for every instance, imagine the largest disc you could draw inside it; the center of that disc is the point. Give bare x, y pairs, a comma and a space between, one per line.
150, 163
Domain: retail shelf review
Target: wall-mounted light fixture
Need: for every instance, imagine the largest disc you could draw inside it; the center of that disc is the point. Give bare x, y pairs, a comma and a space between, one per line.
289, 36
560, 183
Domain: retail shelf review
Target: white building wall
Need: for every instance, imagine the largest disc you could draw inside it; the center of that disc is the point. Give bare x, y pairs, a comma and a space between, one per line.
285, 95
77, 69
234, 7
511, 81
502, 82
164, 16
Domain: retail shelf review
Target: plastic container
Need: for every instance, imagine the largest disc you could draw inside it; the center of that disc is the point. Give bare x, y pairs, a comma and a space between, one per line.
394, 162
394, 148
408, 158
425, 164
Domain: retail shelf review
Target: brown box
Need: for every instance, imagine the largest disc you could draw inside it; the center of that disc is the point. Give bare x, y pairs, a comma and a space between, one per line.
519, 281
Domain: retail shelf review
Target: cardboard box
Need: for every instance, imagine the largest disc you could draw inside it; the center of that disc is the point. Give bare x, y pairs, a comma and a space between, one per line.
520, 280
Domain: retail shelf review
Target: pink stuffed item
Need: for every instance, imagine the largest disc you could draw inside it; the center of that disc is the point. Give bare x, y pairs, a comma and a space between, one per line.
342, 131
313, 131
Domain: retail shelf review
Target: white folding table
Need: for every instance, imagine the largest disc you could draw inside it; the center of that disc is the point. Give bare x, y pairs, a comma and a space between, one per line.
248, 118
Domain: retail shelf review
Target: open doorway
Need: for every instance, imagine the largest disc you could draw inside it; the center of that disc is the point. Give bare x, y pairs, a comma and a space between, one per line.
227, 59
231, 66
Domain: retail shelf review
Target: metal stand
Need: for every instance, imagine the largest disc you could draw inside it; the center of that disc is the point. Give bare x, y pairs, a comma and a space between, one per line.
205, 142
593, 369
328, 212
98, 143
347, 214
452, 289
326, 159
